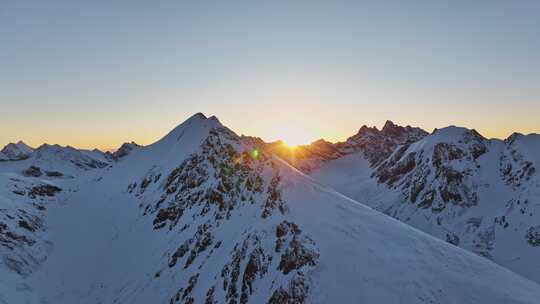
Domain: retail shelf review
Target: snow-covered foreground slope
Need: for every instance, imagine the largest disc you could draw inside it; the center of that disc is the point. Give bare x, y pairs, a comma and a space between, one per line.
27, 194
204, 216
479, 194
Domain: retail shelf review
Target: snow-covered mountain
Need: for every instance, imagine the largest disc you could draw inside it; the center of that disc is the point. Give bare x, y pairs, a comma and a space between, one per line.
479, 194
27, 193
123, 151
15, 151
376, 145
206, 216
53, 155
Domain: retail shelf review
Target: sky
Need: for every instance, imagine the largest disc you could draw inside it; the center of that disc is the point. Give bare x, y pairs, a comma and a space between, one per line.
99, 73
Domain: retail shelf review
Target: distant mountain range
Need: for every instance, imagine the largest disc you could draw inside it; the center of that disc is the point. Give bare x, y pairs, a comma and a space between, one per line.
479, 194
396, 215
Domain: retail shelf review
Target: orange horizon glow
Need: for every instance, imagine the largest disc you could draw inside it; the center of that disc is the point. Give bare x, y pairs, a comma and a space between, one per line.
291, 134
299, 76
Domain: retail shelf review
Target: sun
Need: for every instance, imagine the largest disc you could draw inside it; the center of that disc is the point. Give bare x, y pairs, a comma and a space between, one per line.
293, 136
287, 146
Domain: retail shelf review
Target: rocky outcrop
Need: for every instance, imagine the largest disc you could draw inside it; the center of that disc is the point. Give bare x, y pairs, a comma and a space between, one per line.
439, 173
296, 250
206, 193
379, 145
43, 190
533, 236
33, 171
375, 144
515, 168
124, 150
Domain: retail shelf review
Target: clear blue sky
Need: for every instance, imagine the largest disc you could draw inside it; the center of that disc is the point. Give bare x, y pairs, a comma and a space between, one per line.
97, 73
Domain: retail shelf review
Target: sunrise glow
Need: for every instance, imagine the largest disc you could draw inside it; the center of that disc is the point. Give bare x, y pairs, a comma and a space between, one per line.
291, 78
270, 152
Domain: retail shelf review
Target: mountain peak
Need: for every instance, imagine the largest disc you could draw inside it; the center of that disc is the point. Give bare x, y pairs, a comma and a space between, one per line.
321, 141
197, 115
47, 146
196, 124
391, 129
124, 150
388, 125
454, 133
513, 137
365, 129
16, 151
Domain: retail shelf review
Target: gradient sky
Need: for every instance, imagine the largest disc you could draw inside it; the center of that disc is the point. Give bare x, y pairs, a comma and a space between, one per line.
99, 73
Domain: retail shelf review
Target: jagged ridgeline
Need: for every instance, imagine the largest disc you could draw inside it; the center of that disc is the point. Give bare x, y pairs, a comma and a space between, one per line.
206, 216
476, 193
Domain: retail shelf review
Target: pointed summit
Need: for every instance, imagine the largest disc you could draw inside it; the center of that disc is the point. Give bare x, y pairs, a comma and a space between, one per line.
388, 125
196, 116
192, 130
365, 129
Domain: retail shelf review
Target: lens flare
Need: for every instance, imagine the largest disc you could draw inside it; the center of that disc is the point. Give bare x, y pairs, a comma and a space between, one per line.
254, 153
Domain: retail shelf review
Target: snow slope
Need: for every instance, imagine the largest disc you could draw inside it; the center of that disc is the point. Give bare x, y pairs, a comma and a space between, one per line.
478, 194
206, 216
26, 196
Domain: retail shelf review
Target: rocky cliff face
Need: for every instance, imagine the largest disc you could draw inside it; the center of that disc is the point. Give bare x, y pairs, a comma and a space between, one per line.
436, 172
378, 145
207, 194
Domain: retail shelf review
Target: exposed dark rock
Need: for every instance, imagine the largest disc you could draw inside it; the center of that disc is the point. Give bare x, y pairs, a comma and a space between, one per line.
19, 192
10, 239
25, 225
445, 152
33, 171
484, 243
296, 256
257, 266
391, 172
295, 293
180, 252
274, 200
533, 236
203, 239
239, 180
502, 220
298, 250
123, 151
54, 174
43, 190
210, 296
452, 239
183, 295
